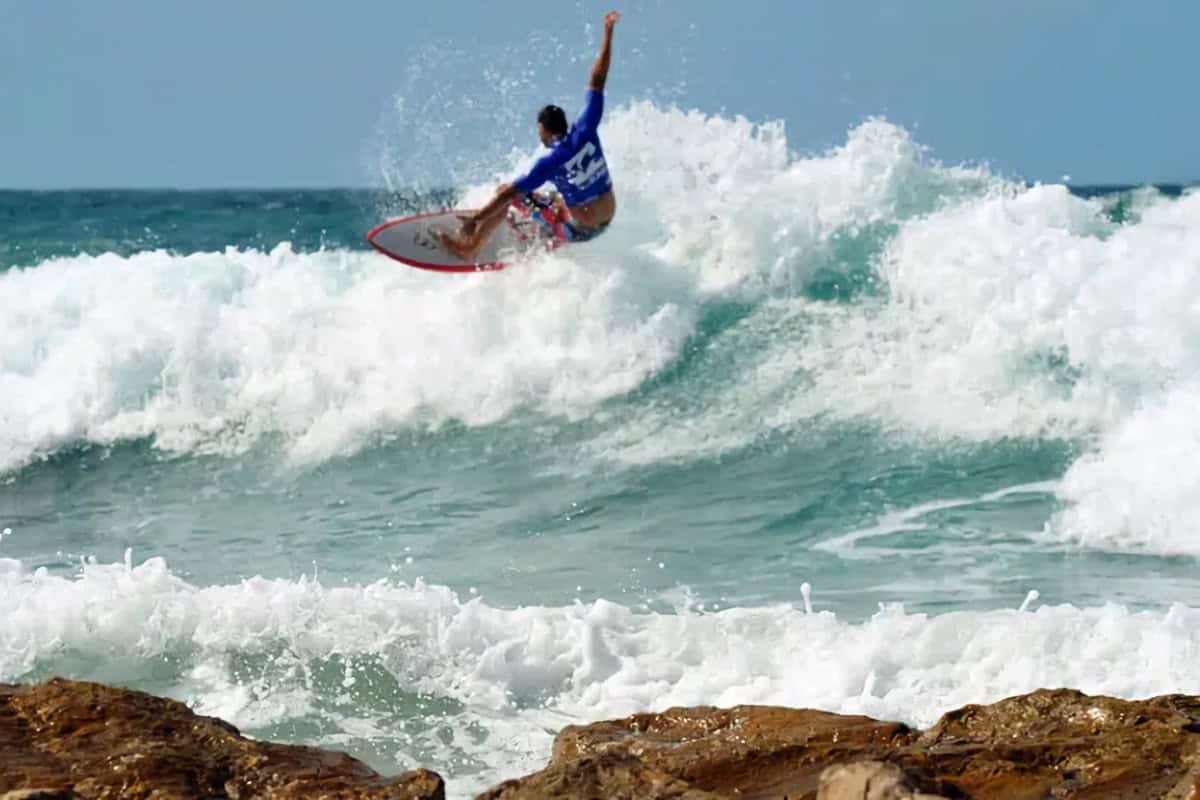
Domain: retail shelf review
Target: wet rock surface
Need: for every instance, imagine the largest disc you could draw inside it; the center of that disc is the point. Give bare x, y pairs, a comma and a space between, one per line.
66, 739
1048, 744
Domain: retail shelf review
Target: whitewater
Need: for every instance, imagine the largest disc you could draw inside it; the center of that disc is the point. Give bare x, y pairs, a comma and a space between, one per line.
853, 430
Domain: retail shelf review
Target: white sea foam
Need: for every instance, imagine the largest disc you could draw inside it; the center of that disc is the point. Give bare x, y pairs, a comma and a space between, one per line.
1141, 490
214, 351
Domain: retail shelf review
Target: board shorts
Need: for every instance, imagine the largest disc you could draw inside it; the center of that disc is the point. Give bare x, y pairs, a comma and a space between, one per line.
541, 210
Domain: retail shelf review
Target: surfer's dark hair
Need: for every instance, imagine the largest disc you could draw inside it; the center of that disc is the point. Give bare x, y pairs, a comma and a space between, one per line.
554, 120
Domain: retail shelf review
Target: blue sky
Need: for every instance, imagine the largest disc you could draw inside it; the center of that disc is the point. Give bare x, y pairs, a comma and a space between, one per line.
274, 93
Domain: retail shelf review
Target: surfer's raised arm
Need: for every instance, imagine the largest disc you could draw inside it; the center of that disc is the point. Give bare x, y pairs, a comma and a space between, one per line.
600, 70
584, 206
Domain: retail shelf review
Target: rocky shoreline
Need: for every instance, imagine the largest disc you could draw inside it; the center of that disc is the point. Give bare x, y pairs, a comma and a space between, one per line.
69, 739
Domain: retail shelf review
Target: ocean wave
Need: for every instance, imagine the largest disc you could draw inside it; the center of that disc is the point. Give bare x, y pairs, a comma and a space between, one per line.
747, 292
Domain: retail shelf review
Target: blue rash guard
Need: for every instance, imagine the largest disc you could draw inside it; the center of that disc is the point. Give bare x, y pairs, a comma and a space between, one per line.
575, 163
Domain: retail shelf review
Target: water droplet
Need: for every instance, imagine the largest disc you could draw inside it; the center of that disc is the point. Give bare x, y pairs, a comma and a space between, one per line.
1030, 599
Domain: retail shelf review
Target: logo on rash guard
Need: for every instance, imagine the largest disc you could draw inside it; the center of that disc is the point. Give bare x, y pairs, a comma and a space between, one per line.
581, 172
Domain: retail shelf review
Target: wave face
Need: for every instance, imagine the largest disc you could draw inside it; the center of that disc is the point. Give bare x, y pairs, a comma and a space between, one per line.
246, 462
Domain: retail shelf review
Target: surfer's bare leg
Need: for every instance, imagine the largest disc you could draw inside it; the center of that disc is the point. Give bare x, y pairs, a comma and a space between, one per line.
479, 226
468, 242
476, 229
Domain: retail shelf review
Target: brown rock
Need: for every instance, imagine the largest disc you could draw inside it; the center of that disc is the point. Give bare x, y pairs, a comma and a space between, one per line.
1188, 788
1063, 743
756, 751
100, 742
1049, 744
608, 776
871, 780
64, 739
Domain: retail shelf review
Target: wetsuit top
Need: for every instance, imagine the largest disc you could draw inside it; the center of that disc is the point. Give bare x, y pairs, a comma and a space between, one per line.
575, 163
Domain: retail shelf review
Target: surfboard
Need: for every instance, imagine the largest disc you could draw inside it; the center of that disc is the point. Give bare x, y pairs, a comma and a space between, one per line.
411, 241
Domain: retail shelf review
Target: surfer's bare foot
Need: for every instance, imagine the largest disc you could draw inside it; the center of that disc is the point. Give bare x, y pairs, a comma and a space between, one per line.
455, 246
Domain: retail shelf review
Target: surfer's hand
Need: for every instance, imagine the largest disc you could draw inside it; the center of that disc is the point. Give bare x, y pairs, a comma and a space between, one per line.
611, 18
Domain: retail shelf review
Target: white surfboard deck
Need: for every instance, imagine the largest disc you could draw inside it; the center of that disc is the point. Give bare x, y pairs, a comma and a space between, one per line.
410, 241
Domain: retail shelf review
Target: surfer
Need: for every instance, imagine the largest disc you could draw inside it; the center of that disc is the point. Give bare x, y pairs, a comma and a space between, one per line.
584, 205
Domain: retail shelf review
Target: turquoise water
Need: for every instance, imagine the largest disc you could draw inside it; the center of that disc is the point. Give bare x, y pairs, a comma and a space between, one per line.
811, 440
